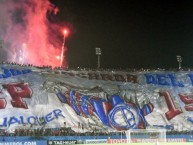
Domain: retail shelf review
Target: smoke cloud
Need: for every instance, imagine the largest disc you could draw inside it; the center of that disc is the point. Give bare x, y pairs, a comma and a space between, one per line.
27, 33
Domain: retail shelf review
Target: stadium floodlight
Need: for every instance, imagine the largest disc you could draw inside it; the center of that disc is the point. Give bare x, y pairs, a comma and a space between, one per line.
98, 53
63, 46
179, 60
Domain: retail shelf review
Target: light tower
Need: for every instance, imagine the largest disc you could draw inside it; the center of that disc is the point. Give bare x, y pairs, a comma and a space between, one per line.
63, 47
98, 53
179, 60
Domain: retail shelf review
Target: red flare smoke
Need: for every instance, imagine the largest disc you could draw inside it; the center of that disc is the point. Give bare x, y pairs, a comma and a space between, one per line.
26, 21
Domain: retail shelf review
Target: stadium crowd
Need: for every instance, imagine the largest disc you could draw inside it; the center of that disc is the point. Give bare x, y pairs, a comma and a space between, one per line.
69, 132
92, 69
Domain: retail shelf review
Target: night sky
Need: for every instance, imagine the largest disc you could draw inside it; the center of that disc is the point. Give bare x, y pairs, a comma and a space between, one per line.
131, 33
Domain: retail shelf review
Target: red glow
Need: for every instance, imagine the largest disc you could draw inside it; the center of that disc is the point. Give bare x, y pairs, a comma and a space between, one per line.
65, 32
24, 45
38, 43
58, 57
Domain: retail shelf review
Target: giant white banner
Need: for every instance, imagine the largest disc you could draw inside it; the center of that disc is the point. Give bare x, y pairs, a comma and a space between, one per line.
94, 100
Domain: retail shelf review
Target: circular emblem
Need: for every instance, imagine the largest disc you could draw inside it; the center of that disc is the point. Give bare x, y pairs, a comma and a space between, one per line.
124, 116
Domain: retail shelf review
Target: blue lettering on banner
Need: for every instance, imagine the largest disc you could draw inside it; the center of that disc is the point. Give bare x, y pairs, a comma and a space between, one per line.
73, 102
84, 104
107, 110
13, 120
31, 120
4, 122
55, 114
165, 80
58, 113
13, 72
150, 79
49, 117
174, 81
99, 110
162, 79
22, 120
191, 78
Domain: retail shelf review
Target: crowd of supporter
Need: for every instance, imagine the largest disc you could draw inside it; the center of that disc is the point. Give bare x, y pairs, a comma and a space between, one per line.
69, 132
91, 69
55, 132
